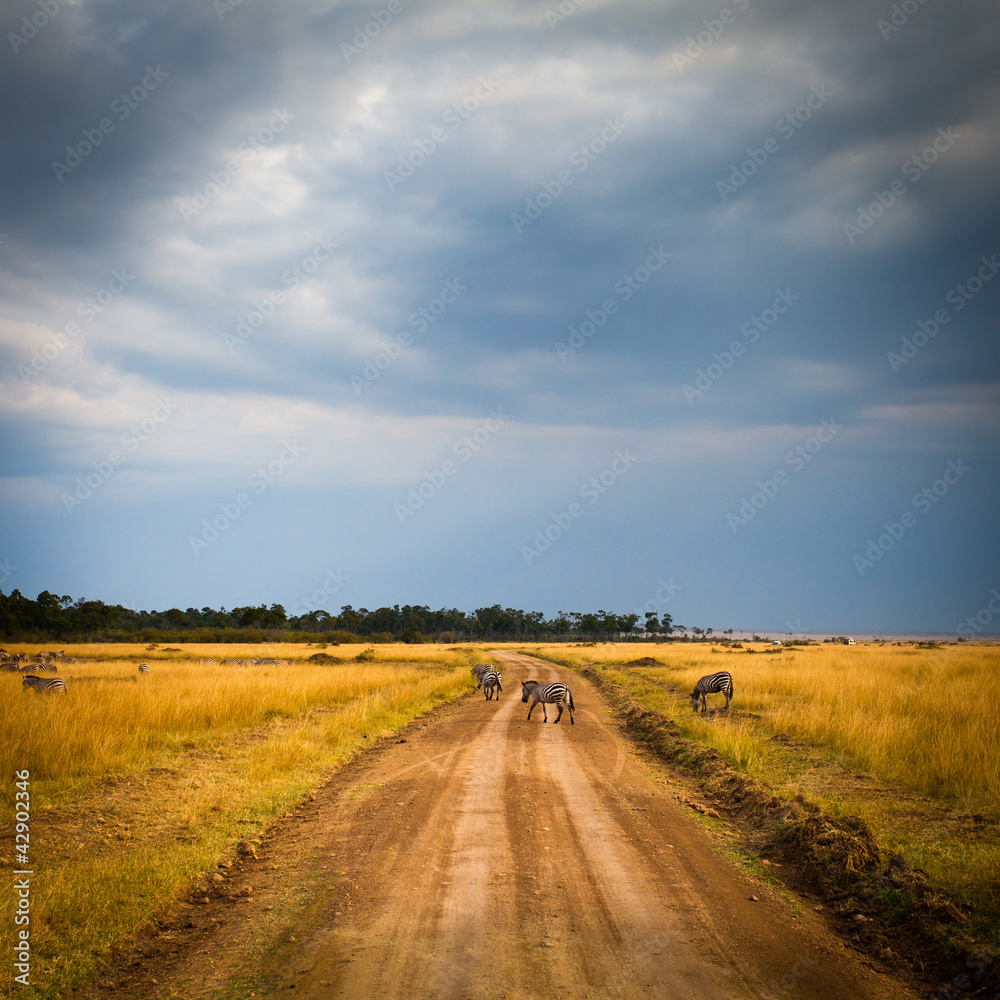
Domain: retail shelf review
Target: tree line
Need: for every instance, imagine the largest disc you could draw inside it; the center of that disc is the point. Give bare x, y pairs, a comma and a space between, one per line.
51, 617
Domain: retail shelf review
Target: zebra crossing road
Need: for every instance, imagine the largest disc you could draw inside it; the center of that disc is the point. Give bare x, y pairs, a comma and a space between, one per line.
491, 857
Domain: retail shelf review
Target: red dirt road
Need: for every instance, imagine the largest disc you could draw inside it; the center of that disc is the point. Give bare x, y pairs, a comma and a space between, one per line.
491, 857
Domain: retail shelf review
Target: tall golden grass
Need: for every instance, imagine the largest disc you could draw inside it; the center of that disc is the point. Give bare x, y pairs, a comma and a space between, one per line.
139, 784
921, 718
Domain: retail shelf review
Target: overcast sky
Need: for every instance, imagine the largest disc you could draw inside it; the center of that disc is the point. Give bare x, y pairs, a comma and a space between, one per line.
564, 306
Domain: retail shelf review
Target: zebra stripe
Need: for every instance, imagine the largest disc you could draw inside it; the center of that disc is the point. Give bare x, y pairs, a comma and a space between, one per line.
480, 670
489, 681
44, 685
548, 694
722, 682
143, 668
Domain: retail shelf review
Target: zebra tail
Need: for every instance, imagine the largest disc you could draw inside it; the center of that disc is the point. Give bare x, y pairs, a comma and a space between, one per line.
572, 707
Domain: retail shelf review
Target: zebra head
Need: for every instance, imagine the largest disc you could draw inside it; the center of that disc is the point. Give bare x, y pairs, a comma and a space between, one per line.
694, 699
527, 687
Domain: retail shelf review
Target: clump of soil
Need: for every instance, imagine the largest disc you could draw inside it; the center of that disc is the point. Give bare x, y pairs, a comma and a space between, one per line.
324, 658
645, 661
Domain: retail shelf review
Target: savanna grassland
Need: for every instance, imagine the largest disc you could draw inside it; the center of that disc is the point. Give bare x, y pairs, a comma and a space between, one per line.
906, 738
140, 784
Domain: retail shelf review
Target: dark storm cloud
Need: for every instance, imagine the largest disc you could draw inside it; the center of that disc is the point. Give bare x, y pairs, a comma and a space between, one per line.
534, 158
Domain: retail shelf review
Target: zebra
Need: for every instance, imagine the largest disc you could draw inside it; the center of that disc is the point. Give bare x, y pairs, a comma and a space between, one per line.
45, 685
548, 694
479, 670
489, 681
710, 684
143, 668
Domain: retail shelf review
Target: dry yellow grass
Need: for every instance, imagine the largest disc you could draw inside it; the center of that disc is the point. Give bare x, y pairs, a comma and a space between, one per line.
139, 784
921, 718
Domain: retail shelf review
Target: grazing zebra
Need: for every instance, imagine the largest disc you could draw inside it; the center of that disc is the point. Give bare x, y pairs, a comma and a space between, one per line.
489, 681
143, 668
46, 685
548, 694
480, 670
711, 684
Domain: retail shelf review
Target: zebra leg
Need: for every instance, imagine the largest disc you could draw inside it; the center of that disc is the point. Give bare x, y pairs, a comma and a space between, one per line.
545, 716
530, 710
559, 706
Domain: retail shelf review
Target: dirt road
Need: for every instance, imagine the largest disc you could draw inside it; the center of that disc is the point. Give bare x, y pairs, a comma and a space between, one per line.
487, 856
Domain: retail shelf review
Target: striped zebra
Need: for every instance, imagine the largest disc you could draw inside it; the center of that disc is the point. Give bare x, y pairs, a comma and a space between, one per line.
548, 694
143, 668
45, 685
479, 670
489, 681
722, 682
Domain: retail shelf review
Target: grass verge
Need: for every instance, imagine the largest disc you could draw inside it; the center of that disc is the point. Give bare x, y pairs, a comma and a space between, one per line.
139, 785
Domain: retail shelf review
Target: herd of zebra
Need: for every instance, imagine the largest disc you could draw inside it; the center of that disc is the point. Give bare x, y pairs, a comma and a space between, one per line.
488, 678
40, 661
19, 662
266, 662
